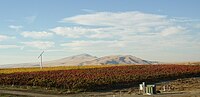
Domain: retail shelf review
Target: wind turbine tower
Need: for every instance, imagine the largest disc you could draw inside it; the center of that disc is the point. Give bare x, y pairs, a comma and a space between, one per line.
40, 56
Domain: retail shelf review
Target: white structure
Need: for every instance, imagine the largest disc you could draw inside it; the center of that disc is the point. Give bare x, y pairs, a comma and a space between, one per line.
147, 89
142, 88
40, 56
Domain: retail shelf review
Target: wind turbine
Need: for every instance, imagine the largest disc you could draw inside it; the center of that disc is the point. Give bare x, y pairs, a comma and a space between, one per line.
40, 56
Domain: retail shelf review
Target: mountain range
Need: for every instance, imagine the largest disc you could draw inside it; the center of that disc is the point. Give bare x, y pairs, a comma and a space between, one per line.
86, 59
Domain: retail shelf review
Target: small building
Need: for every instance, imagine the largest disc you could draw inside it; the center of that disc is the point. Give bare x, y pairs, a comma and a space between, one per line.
147, 89
150, 89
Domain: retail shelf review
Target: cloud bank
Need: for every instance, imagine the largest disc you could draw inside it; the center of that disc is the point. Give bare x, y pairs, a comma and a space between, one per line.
126, 28
36, 35
131, 32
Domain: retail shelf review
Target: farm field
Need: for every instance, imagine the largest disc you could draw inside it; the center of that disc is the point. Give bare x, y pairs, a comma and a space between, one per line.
13, 70
94, 79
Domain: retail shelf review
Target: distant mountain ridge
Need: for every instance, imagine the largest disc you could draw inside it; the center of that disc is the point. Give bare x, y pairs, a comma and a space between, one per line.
86, 59
117, 59
71, 61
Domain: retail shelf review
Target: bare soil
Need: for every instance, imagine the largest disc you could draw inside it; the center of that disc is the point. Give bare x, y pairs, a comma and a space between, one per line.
188, 87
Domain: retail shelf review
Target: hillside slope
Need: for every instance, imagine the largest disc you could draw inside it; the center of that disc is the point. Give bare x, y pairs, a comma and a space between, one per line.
117, 59
71, 61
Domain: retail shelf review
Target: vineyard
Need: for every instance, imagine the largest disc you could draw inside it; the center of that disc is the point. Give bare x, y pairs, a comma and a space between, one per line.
36, 69
100, 78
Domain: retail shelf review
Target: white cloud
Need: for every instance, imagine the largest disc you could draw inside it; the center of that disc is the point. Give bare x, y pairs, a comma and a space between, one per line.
9, 46
88, 10
36, 35
39, 44
130, 32
3, 37
47, 50
118, 19
77, 44
121, 24
80, 32
16, 27
171, 31
100, 35
71, 32
117, 24
183, 19
92, 45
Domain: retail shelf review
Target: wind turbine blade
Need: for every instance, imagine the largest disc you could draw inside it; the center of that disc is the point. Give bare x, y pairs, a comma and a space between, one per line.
40, 54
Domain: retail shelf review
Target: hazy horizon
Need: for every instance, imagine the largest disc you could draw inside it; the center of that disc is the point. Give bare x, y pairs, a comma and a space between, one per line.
46, 60
166, 31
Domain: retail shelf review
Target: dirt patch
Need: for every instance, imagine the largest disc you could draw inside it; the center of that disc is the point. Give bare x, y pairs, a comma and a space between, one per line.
187, 84
188, 87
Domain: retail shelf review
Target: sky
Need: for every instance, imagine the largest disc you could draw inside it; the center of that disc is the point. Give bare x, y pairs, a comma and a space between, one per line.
160, 30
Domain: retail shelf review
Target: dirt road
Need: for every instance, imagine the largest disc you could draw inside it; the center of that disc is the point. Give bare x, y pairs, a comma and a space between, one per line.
108, 94
29, 94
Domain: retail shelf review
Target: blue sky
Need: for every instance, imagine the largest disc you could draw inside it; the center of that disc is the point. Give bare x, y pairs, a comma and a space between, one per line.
166, 30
